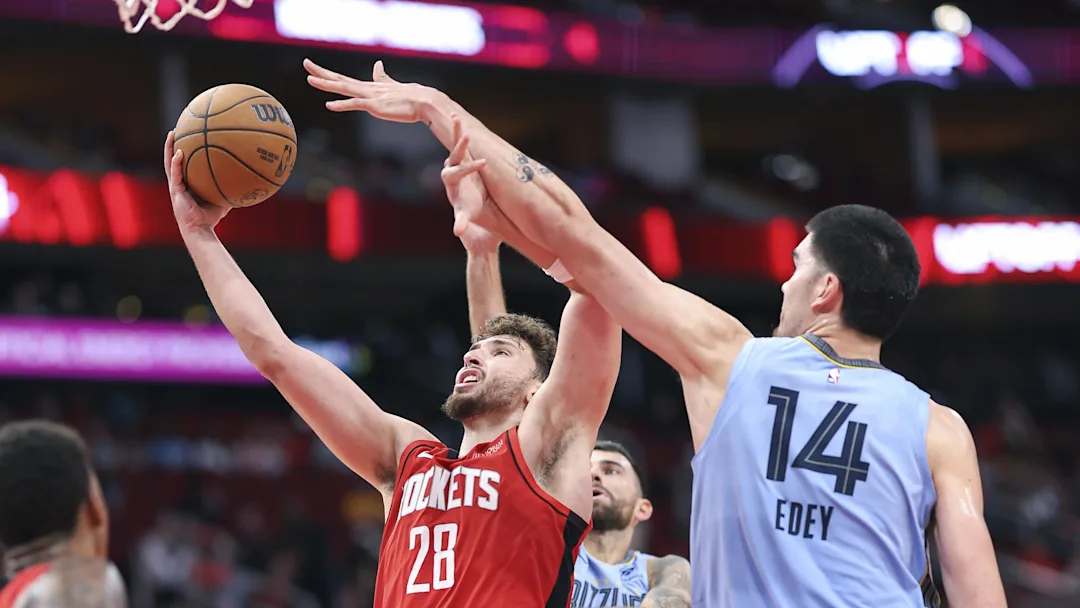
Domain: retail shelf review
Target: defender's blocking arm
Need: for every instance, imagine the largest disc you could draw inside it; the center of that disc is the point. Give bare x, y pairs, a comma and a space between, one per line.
356, 430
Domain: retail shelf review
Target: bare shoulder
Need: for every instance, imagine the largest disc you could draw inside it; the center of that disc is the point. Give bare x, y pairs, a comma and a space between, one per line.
77, 583
948, 439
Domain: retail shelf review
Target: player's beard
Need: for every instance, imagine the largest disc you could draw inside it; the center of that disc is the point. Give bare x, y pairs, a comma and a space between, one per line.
612, 516
495, 395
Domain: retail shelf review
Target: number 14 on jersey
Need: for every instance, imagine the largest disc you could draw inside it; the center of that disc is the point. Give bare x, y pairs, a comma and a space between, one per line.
848, 468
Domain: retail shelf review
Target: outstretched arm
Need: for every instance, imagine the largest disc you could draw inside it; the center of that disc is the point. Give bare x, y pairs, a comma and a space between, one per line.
483, 285
367, 439
968, 563
483, 282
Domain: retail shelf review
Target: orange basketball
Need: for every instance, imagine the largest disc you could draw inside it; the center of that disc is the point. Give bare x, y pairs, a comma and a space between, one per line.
239, 145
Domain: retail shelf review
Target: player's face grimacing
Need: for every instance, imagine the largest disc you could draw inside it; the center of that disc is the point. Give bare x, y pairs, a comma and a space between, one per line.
801, 292
499, 374
617, 498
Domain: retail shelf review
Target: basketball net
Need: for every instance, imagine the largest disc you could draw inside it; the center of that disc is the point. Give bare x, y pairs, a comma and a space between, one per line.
134, 21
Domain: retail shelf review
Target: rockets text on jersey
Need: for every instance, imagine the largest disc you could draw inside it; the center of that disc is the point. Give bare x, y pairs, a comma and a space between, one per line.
476, 530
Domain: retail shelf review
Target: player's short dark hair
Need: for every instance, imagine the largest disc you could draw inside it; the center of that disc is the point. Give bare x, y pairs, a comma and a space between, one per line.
534, 332
44, 480
875, 260
605, 445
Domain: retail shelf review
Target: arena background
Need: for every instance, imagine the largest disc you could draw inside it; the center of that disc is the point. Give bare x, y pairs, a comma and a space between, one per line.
702, 134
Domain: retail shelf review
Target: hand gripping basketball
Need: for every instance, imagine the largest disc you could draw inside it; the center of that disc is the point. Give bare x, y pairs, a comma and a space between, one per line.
189, 214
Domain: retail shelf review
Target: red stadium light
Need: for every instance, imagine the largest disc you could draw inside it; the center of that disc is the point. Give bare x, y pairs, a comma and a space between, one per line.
661, 242
344, 219
582, 42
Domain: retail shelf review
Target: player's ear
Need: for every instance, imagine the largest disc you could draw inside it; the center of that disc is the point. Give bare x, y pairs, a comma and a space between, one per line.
644, 510
97, 517
95, 504
829, 294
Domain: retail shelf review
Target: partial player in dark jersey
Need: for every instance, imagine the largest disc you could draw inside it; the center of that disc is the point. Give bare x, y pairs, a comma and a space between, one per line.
54, 527
496, 522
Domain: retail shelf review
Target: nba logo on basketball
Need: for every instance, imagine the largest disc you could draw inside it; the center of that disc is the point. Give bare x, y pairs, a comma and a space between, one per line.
834, 376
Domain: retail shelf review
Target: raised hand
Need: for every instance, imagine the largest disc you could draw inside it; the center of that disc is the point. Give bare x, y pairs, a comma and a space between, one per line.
190, 215
465, 191
382, 97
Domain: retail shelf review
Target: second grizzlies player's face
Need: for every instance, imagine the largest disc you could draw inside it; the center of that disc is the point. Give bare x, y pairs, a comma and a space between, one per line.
811, 295
617, 500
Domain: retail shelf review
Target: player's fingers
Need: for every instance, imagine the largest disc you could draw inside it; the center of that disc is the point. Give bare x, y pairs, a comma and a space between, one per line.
349, 105
449, 176
169, 139
455, 122
461, 222
454, 174
176, 172
458, 153
347, 89
320, 72
466, 169
378, 73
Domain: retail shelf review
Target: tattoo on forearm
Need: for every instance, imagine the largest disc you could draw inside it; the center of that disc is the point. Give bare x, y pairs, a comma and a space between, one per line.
669, 581
528, 169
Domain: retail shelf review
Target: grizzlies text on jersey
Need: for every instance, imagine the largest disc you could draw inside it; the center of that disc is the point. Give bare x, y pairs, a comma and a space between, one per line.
812, 488
597, 583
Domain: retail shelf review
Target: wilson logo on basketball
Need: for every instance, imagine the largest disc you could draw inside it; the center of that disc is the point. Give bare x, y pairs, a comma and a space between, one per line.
266, 112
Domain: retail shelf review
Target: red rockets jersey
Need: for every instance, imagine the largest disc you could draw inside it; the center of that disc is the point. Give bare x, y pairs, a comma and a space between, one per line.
475, 531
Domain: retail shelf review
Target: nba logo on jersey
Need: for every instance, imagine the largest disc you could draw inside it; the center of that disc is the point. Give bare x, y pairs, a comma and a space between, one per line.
834, 376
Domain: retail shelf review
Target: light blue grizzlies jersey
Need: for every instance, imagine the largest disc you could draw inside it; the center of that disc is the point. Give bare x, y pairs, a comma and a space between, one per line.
812, 488
597, 583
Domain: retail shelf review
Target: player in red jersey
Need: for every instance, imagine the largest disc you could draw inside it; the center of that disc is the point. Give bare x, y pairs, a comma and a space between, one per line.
607, 571
54, 527
498, 522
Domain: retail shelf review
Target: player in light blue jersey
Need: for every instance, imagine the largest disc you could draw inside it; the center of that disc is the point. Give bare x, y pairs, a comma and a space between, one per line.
817, 471
607, 572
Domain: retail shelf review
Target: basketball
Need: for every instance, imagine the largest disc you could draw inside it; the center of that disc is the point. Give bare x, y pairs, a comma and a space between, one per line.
239, 145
